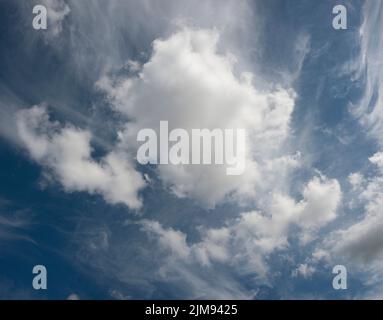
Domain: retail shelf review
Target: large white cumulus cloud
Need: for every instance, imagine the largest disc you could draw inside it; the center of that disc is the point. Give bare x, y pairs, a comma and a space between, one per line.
189, 83
67, 152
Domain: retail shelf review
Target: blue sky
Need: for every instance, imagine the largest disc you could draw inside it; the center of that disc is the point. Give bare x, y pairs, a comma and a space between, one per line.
74, 198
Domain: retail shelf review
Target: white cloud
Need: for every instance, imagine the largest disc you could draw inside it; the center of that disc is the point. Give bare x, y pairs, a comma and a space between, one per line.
246, 243
368, 68
12, 228
355, 179
304, 270
361, 242
170, 239
57, 11
190, 84
321, 199
377, 159
67, 152
73, 296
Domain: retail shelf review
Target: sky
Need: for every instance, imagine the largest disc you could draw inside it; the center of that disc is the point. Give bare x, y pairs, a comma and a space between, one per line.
74, 198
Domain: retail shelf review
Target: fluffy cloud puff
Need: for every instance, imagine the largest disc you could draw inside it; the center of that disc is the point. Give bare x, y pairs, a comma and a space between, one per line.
362, 241
303, 270
246, 242
189, 83
67, 152
57, 11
